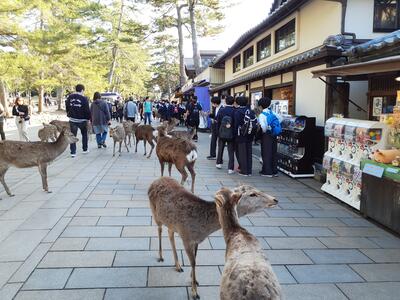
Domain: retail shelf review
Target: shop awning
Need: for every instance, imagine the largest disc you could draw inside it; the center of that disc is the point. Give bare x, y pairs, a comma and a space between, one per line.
382, 65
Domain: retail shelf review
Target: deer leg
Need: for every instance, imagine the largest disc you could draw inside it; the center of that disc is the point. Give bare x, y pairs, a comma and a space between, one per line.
190, 251
161, 259
183, 172
43, 173
144, 141
137, 141
120, 146
3, 171
126, 146
173, 246
169, 169
115, 143
152, 147
192, 174
162, 165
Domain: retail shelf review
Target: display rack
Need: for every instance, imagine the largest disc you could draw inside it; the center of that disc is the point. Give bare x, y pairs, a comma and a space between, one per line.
350, 141
295, 146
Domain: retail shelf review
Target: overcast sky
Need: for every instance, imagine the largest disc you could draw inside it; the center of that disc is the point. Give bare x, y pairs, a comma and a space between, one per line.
238, 19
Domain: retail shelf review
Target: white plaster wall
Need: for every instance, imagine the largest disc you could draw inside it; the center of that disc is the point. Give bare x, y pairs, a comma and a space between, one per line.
310, 95
358, 94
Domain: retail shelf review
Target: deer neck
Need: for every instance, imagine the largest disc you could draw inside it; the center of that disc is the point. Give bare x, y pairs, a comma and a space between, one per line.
58, 146
229, 223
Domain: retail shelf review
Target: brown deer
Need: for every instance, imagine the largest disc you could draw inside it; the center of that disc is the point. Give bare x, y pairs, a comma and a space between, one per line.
180, 152
171, 124
193, 218
48, 132
130, 128
145, 133
187, 135
31, 154
247, 273
118, 135
61, 125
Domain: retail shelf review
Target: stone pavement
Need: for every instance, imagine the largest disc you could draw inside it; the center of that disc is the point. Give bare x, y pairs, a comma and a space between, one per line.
93, 238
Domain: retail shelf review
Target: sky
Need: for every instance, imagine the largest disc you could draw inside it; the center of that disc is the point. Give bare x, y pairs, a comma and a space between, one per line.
239, 18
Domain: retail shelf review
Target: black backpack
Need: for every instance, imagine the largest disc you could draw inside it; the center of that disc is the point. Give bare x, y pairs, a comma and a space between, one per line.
226, 128
249, 127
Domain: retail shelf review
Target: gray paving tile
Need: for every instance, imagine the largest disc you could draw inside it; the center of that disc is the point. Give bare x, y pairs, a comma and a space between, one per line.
371, 290
386, 242
356, 222
347, 242
57, 230
308, 231
43, 219
143, 258
330, 213
298, 206
378, 272
337, 256
47, 279
90, 294
9, 291
359, 231
263, 221
7, 270
95, 204
262, 231
22, 210
69, 244
178, 243
107, 277
146, 212
207, 292
8, 226
287, 213
124, 221
294, 243
142, 231
118, 244
207, 258
312, 292
287, 257
283, 275
147, 293
84, 221
324, 274
325, 222
110, 197
92, 231
383, 255
75, 259
219, 243
95, 212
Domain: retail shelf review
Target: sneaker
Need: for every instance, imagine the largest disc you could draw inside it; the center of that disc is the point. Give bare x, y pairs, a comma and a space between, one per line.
275, 175
231, 172
104, 145
211, 157
73, 155
266, 175
218, 166
245, 175
85, 151
99, 146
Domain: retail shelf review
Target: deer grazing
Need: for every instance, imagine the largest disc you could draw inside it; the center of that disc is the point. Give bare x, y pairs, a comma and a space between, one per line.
193, 218
247, 274
48, 132
31, 154
180, 152
118, 135
130, 128
145, 133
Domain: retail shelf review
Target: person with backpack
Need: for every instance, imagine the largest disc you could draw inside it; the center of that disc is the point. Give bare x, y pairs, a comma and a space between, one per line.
271, 128
226, 134
193, 115
215, 108
246, 123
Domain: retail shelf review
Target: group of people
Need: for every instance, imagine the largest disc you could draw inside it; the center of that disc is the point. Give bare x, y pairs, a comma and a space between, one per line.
234, 126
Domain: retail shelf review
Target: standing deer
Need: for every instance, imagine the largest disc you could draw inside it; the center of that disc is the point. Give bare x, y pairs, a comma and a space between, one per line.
48, 132
145, 133
130, 128
30, 154
247, 274
193, 218
180, 152
118, 135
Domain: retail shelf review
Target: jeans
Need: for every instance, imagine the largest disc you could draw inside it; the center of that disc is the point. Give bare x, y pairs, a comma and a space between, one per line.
147, 116
74, 129
101, 138
2, 134
21, 126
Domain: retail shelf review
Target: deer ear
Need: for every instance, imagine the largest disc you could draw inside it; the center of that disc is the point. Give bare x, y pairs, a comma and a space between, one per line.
235, 198
219, 200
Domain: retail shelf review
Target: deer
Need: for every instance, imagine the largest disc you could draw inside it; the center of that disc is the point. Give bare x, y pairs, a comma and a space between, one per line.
31, 154
171, 124
187, 135
48, 132
130, 128
193, 218
247, 273
180, 152
145, 133
60, 125
118, 135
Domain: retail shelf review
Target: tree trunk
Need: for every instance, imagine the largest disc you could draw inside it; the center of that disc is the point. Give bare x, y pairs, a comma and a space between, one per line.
4, 98
182, 76
115, 47
60, 93
41, 97
195, 46
29, 94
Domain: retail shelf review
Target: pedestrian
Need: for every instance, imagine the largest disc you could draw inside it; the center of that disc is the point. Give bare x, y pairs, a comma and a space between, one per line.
78, 112
2, 115
215, 108
226, 134
101, 119
245, 127
141, 110
147, 109
271, 128
130, 110
22, 116
193, 110
120, 110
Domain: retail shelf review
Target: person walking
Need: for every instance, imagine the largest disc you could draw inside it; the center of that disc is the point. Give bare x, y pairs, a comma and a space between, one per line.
130, 110
216, 106
271, 128
78, 112
226, 134
147, 109
22, 116
245, 127
2, 115
193, 110
101, 119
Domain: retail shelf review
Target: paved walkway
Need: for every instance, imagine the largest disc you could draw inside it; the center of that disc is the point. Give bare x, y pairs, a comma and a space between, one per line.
93, 238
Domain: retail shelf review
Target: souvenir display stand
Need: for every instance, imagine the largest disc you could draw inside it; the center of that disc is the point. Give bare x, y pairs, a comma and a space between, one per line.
295, 146
350, 141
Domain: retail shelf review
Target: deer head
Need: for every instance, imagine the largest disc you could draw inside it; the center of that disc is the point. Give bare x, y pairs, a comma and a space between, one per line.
71, 139
112, 131
253, 200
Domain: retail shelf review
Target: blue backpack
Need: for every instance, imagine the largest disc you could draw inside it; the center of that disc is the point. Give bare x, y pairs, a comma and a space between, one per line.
273, 122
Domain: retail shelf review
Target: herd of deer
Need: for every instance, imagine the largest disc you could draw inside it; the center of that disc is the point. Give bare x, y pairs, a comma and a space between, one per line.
247, 273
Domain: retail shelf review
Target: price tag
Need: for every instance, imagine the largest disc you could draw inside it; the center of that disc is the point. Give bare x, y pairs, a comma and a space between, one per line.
373, 170
392, 170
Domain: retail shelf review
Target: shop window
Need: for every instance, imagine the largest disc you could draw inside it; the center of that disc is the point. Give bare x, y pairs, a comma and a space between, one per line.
237, 63
285, 36
248, 57
264, 48
386, 15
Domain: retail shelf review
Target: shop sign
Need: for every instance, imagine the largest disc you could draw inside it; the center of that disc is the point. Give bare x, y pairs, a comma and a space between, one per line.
377, 106
373, 170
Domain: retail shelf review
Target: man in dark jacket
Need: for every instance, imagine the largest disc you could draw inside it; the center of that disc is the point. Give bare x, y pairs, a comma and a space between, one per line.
78, 112
215, 108
227, 113
193, 110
